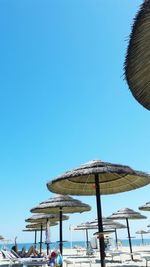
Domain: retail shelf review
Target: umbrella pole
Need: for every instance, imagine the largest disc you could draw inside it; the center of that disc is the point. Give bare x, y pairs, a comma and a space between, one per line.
100, 224
142, 239
41, 239
47, 244
116, 238
60, 231
35, 238
87, 239
129, 237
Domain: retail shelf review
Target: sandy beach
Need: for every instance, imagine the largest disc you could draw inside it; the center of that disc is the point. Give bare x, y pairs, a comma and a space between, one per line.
114, 258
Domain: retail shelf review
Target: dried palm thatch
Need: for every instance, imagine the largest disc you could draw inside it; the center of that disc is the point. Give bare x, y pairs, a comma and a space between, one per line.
145, 207
33, 229
141, 232
104, 232
66, 203
137, 62
126, 214
113, 178
38, 225
109, 223
96, 178
45, 217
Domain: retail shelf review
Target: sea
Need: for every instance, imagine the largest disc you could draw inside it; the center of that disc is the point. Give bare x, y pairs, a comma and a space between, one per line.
67, 245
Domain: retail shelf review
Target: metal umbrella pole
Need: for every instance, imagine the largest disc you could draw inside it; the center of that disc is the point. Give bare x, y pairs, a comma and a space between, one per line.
41, 239
100, 224
129, 238
35, 238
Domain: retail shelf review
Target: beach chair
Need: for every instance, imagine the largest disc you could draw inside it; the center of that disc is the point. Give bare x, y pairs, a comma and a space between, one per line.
3, 261
24, 261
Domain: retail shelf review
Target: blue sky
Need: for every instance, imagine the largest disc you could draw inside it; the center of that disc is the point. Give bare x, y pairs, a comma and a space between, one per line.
64, 101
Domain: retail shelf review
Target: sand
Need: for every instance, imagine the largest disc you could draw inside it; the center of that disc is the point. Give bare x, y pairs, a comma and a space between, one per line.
122, 257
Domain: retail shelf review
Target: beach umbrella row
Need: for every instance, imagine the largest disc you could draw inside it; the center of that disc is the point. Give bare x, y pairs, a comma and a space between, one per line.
109, 224
60, 204
92, 178
127, 214
98, 178
41, 221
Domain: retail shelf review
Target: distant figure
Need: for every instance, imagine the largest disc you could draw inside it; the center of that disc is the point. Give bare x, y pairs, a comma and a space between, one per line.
119, 244
23, 253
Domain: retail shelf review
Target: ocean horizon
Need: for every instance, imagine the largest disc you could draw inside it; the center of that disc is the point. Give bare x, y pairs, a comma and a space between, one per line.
68, 244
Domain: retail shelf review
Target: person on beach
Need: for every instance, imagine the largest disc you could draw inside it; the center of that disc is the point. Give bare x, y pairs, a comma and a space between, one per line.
23, 253
55, 259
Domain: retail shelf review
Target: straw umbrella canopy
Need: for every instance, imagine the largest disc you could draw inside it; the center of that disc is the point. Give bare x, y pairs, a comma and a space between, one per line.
61, 204
141, 232
44, 217
126, 214
38, 225
145, 207
137, 67
98, 178
1, 237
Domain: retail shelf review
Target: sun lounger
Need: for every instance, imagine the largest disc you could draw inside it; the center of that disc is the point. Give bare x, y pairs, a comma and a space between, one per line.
6, 262
24, 261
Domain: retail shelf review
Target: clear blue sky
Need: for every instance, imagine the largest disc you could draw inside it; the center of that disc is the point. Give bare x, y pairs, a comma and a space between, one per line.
64, 101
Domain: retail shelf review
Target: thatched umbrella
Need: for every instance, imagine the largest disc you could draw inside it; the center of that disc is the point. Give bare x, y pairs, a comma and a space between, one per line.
145, 207
141, 232
110, 224
43, 226
126, 214
1, 237
61, 204
85, 226
36, 227
137, 63
98, 178
45, 218
35, 230
116, 226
